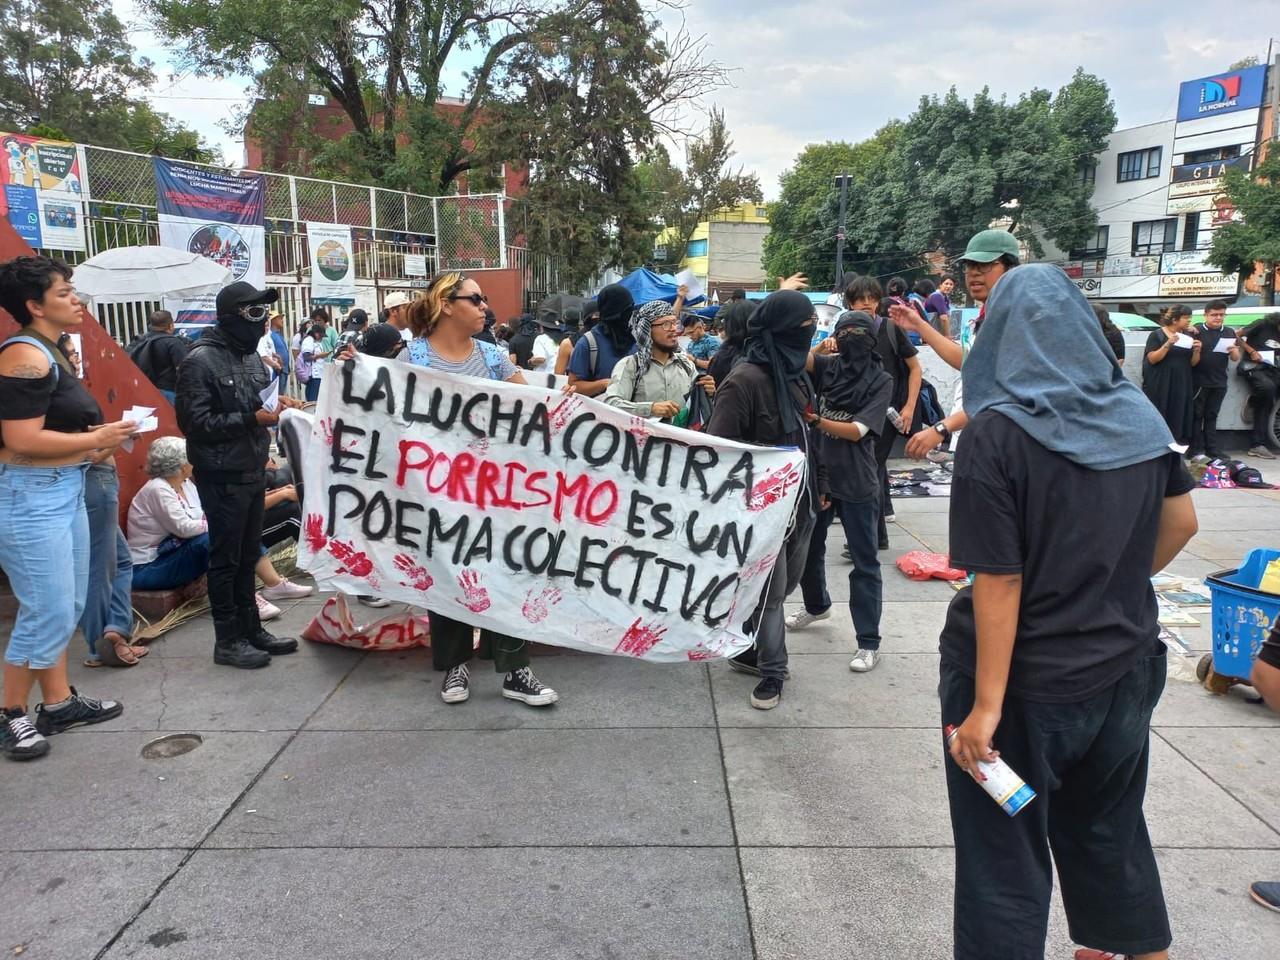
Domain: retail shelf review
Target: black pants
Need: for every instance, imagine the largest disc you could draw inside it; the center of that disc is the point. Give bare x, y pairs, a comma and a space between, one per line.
1087, 763
866, 590
280, 523
234, 512
884, 446
1204, 422
1264, 384
452, 643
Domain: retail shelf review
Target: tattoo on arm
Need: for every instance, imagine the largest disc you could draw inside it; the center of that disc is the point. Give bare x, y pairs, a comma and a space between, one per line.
29, 371
21, 460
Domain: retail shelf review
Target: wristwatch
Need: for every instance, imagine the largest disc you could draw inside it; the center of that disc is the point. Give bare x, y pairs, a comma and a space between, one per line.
942, 430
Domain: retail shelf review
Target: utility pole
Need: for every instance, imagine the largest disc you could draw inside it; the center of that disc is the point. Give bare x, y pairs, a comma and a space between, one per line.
843, 180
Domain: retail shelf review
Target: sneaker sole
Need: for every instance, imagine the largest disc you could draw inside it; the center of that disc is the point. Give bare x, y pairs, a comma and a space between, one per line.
453, 696
1263, 902
532, 699
51, 728
765, 704
861, 669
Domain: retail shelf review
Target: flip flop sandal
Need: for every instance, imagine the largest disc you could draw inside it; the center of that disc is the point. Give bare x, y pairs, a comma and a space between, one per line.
116, 652
139, 650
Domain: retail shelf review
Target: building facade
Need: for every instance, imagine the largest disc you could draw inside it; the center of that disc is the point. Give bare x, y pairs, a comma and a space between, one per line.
1158, 194
725, 252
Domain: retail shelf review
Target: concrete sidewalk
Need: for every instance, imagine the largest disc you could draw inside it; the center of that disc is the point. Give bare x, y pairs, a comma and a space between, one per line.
338, 809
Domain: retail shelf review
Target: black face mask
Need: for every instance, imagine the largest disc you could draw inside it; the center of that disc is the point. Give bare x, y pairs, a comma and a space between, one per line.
243, 334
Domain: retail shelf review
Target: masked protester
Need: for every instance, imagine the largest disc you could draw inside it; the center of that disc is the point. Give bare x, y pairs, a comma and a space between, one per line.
220, 411
598, 350
764, 400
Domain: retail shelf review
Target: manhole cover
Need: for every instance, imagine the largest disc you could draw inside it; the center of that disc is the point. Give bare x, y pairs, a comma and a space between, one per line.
173, 745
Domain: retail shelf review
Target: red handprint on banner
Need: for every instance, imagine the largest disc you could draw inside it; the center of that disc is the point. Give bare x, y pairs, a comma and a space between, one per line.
537, 604
419, 579
774, 487
640, 430
640, 638
326, 426
353, 561
315, 532
562, 411
474, 596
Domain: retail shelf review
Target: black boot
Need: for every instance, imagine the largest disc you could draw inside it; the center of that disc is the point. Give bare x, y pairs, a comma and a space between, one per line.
231, 649
260, 639
273, 645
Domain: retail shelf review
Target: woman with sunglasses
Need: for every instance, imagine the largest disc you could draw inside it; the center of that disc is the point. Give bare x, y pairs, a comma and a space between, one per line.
443, 324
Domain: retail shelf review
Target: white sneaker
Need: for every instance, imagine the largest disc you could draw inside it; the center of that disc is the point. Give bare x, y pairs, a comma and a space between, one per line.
287, 590
266, 609
802, 618
891, 518
864, 661
377, 602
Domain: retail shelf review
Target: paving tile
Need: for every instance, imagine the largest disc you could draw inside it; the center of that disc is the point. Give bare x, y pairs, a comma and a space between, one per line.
1191, 705
822, 904
1244, 761
194, 693
69, 905
823, 692
462, 904
400, 691
95, 791
488, 788
905, 627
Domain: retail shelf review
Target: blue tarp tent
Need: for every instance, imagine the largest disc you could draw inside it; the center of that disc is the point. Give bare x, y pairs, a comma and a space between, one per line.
645, 285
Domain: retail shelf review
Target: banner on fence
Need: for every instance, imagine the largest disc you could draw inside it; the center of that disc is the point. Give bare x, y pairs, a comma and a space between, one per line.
217, 215
333, 264
544, 516
42, 191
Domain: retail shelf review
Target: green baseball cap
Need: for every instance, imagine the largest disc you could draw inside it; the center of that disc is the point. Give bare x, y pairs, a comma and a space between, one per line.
991, 245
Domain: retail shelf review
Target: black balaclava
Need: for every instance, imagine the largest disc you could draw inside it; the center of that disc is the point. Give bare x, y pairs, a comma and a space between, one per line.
615, 305
779, 336
847, 386
241, 332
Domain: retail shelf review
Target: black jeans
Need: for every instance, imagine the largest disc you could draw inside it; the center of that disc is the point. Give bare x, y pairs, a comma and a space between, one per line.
1264, 384
1204, 423
234, 512
452, 644
884, 446
1087, 763
865, 586
769, 620
281, 522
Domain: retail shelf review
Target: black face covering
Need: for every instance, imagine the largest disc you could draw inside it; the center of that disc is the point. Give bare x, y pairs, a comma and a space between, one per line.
779, 335
848, 385
241, 333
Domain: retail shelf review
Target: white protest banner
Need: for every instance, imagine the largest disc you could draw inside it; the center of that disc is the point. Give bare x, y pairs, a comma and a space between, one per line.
545, 516
333, 264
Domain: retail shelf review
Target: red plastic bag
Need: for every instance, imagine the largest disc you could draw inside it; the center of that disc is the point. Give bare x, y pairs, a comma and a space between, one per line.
922, 565
334, 624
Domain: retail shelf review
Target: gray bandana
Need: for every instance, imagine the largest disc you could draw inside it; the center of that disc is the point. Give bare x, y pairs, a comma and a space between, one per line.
642, 321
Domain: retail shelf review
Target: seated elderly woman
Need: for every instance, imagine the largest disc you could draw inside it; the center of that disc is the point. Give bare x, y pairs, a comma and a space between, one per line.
169, 535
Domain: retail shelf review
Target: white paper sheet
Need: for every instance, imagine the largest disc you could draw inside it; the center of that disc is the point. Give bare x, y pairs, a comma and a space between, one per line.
271, 396
688, 279
1224, 345
1185, 341
1267, 356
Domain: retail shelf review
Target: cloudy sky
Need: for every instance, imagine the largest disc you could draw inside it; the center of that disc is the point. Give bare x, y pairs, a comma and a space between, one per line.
807, 72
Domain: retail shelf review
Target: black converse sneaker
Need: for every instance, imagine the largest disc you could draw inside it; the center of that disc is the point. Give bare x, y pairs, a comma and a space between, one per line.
19, 739
524, 686
457, 685
75, 710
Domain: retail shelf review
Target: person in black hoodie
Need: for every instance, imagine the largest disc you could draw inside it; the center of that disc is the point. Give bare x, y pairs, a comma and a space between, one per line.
734, 315
220, 410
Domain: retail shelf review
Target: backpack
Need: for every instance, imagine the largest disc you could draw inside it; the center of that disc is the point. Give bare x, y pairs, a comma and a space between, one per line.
302, 367
593, 348
53, 361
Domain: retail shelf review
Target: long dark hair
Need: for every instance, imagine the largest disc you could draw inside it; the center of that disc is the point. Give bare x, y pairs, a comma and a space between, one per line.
734, 315
1104, 319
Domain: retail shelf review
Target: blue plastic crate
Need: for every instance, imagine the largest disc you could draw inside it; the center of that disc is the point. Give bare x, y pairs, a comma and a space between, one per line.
1242, 614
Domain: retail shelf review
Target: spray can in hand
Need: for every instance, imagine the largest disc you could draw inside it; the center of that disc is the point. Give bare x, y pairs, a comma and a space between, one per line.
896, 419
999, 781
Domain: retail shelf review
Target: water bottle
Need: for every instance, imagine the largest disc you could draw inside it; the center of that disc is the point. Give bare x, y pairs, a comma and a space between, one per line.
1000, 782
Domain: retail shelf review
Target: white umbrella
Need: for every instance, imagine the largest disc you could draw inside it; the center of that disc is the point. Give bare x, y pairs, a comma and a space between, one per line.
127, 274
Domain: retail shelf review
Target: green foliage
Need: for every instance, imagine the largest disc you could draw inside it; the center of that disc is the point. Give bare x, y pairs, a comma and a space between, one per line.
1239, 246
72, 66
682, 199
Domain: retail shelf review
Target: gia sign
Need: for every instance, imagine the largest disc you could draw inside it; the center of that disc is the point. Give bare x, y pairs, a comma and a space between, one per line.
550, 517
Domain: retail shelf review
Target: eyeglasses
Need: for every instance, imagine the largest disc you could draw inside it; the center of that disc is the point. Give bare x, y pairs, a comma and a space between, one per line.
475, 298
972, 266
665, 325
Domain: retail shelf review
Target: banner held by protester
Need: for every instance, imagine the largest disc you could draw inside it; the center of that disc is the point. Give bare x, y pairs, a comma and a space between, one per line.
543, 515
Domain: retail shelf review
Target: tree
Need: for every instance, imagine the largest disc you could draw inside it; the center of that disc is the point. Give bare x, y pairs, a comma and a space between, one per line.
684, 198
1239, 246
68, 69
587, 94
802, 221
957, 167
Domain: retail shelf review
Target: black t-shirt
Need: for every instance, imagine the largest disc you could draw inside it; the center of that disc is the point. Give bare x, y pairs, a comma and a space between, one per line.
895, 361
1115, 340
1262, 335
1211, 371
522, 346
848, 467
1083, 540
65, 404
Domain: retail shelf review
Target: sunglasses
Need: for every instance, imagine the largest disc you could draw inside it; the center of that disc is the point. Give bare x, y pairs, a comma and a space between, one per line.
475, 298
